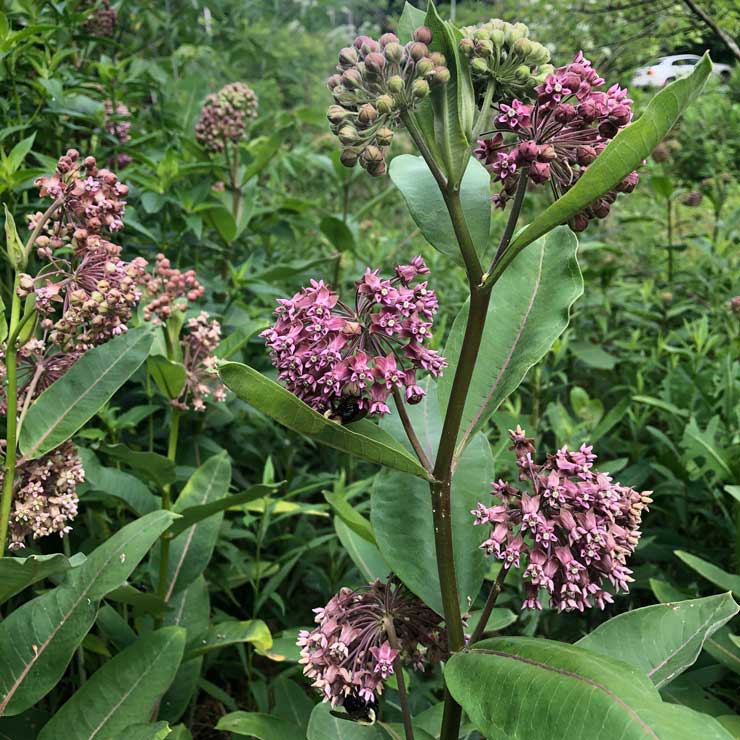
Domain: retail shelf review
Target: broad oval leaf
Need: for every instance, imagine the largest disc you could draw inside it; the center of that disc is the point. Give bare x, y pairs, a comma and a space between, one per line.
413, 178
146, 731
66, 405
662, 640
530, 307
191, 550
622, 155
38, 639
402, 519
123, 692
718, 576
525, 688
259, 725
280, 404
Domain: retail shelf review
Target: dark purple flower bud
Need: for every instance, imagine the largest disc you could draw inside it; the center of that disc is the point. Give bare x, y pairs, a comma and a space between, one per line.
527, 151
620, 115
351, 79
423, 34
375, 62
579, 222
588, 111
348, 157
629, 183
600, 208
564, 113
585, 155
539, 172
348, 57
608, 130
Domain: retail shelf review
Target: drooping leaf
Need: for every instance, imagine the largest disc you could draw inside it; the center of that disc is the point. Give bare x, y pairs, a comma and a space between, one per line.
253, 631
38, 639
524, 688
622, 155
726, 581
280, 404
19, 573
259, 725
191, 550
350, 516
157, 468
662, 640
79, 394
123, 692
324, 726
402, 519
529, 309
364, 555
412, 177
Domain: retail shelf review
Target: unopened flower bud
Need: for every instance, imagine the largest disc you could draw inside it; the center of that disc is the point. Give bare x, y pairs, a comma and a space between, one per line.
395, 84
483, 48
440, 76
528, 150
337, 114
522, 72
393, 53
25, 285
600, 208
423, 34
467, 47
420, 88
479, 66
366, 115
374, 63
351, 79
523, 47
348, 157
384, 136
334, 81
348, 135
539, 53
548, 153
385, 104
585, 155
539, 172
348, 57
424, 67
388, 38
579, 222
418, 51
497, 38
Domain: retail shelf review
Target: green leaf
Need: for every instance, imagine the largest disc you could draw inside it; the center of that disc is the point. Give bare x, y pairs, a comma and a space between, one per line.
146, 731
723, 647
593, 355
13, 244
324, 726
221, 219
70, 402
659, 403
726, 581
158, 468
169, 376
253, 631
258, 725
411, 18
280, 404
526, 688
529, 309
350, 516
194, 514
230, 345
364, 555
124, 691
117, 483
292, 703
402, 520
622, 155
662, 640
19, 573
412, 177
700, 446
338, 233
38, 639
191, 550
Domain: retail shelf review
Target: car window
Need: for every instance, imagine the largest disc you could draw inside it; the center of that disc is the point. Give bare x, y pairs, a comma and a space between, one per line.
684, 62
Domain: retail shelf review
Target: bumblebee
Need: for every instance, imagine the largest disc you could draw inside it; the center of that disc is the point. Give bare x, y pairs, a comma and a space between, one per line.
358, 710
347, 408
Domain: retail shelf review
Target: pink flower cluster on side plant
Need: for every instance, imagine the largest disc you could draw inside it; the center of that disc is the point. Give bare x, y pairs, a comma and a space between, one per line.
225, 115
349, 656
555, 138
346, 359
45, 498
572, 534
118, 125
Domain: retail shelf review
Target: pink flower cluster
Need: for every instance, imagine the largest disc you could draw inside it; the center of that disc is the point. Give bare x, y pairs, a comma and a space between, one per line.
349, 656
201, 376
169, 289
225, 115
555, 138
572, 534
346, 360
45, 498
102, 20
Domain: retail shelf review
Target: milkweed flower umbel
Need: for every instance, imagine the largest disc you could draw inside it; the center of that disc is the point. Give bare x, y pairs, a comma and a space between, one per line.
349, 655
346, 359
572, 534
376, 82
555, 137
225, 115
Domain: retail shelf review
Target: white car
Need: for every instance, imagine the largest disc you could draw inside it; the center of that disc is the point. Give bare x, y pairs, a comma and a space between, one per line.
667, 69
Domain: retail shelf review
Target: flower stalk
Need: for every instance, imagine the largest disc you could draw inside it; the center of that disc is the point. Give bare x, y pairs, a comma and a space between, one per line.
164, 560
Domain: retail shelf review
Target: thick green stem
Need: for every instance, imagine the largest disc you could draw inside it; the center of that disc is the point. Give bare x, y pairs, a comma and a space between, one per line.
485, 109
480, 628
11, 430
164, 560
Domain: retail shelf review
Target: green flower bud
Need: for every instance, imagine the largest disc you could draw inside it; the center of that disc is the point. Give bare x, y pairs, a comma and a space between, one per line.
384, 136
395, 84
438, 59
498, 24
467, 46
479, 66
385, 104
513, 36
522, 73
393, 53
424, 67
483, 48
539, 53
521, 27
420, 88
348, 135
440, 76
523, 47
482, 34
497, 37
